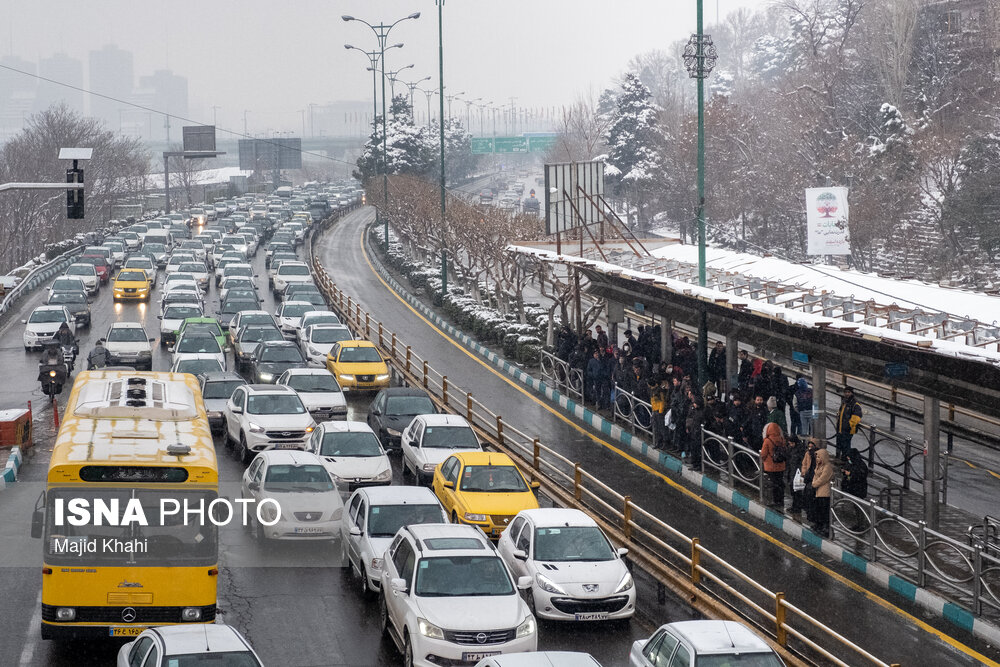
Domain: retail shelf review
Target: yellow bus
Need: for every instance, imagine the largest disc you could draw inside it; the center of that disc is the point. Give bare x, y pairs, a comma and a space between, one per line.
124, 546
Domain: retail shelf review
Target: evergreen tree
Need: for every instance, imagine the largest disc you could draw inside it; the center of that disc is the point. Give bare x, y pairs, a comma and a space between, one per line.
409, 149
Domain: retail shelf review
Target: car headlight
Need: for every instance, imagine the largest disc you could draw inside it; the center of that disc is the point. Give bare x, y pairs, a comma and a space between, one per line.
625, 584
65, 614
191, 614
376, 564
428, 629
382, 377
548, 585
527, 627
146, 353
255, 428
314, 352
471, 516
384, 476
268, 513
309, 429
346, 378
393, 432
266, 377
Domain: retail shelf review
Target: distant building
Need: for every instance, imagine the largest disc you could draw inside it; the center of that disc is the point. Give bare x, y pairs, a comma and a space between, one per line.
110, 75
168, 93
17, 95
66, 70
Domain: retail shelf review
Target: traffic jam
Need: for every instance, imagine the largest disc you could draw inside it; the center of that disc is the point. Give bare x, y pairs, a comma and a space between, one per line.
443, 537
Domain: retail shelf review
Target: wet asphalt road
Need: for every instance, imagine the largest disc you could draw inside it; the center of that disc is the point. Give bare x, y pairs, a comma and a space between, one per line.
294, 602
886, 627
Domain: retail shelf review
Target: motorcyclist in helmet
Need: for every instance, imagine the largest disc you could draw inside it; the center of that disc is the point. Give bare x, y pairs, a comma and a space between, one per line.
64, 336
52, 355
98, 357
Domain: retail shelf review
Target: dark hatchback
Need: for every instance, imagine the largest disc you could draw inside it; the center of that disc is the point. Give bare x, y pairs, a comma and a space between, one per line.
393, 409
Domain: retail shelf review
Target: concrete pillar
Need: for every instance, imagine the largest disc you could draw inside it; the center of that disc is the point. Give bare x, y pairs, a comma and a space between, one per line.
932, 455
666, 339
819, 401
732, 363
616, 314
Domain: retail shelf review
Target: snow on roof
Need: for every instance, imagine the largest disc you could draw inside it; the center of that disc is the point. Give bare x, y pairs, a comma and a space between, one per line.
774, 311
203, 177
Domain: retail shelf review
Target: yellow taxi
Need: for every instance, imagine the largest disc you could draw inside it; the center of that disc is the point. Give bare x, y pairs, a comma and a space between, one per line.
132, 284
483, 489
358, 366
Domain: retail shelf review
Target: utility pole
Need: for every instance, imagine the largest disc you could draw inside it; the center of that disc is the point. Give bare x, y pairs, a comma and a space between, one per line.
444, 227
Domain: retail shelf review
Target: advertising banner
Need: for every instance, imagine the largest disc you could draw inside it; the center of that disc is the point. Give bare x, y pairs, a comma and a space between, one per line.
826, 221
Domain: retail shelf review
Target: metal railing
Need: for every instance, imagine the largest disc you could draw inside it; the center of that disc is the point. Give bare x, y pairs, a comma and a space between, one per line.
736, 464
561, 375
926, 557
37, 276
633, 411
666, 552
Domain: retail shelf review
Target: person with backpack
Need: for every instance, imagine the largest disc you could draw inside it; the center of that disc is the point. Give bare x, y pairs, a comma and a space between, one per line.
98, 357
773, 455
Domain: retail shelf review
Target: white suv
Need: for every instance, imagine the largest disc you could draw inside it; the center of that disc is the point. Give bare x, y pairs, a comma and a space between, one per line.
430, 439
266, 416
291, 273
448, 598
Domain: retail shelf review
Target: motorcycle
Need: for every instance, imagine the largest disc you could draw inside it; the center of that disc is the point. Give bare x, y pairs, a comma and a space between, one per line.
52, 377
69, 356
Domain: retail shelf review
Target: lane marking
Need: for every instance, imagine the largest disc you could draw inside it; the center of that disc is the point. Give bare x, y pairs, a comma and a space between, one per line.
882, 602
32, 637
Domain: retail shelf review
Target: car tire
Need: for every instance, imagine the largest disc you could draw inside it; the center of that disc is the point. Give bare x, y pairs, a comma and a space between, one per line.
243, 453
383, 616
407, 650
454, 517
259, 533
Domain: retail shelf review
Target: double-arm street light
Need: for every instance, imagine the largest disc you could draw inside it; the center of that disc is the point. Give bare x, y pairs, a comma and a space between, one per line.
373, 59
429, 94
468, 105
393, 78
382, 33
411, 86
452, 98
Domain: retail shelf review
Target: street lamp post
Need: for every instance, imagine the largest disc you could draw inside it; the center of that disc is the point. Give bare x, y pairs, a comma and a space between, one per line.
444, 238
468, 106
393, 78
699, 60
429, 94
411, 87
451, 98
245, 112
382, 32
373, 59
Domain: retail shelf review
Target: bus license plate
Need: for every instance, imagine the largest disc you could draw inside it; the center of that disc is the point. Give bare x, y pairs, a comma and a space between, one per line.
479, 655
591, 616
130, 631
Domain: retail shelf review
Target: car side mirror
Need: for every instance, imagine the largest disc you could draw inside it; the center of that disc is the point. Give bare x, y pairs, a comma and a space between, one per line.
519, 554
159, 317
253, 486
37, 523
448, 484
24, 321
622, 552
376, 412
355, 531
237, 411
398, 585
524, 583
152, 340
535, 486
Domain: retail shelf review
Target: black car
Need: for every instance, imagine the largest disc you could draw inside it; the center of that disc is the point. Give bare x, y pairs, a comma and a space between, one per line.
216, 389
394, 408
272, 358
246, 345
232, 306
75, 302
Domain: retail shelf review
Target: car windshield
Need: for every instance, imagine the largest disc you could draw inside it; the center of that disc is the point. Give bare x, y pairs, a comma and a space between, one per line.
192, 268
181, 312
235, 306
258, 334
449, 437
239, 271
77, 270
198, 366
738, 660
154, 247
67, 285
292, 478
342, 443
206, 328
127, 335
221, 388
330, 335
241, 292
139, 263
461, 576
281, 353
132, 276
492, 479
409, 405
572, 543
385, 520
359, 355
293, 270
46, 316
198, 345
275, 404
68, 297
313, 382
296, 309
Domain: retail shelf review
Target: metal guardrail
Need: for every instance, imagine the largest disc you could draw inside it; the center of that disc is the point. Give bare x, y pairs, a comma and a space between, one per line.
37, 276
925, 557
737, 464
633, 411
667, 553
564, 377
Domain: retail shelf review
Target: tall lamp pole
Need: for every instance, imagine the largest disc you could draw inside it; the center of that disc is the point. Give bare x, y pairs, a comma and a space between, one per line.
429, 94
411, 87
394, 77
444, 237
699, 59
382, 33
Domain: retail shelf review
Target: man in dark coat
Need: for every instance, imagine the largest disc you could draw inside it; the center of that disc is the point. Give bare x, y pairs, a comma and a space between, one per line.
848, 418
756, 422
746, 370
717, 364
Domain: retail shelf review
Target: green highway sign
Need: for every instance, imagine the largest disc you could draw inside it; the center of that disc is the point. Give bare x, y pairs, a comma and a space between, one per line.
482, 145
540, 144
511, 145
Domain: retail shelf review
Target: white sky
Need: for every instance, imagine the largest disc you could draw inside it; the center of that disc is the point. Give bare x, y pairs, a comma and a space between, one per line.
276, 57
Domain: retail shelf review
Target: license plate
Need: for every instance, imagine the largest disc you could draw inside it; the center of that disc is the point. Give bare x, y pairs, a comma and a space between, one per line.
130, 631
307, 530
591, 616
287, 445
479, 655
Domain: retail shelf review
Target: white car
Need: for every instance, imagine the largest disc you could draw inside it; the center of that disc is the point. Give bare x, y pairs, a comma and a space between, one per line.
319, 391
310, 504
448, 598
128, 345
179, 280
87, 273
289, 316
351, 453
173, 316
690, 643
198, 345
188, 644
430, 439
290, 273
236, 269
576, 574
69, 284
318, 339
198, 364
374, 515
181, 293
198, 270
235, 282
541, 659
43, 323
143, 262
176, 260
250, 318
315, 317
262, 417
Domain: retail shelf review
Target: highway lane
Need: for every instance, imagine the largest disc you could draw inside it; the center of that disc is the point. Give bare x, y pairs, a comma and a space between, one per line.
866, 617
294, 602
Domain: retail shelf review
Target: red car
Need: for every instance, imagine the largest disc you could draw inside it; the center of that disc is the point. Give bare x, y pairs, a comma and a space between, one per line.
101, 264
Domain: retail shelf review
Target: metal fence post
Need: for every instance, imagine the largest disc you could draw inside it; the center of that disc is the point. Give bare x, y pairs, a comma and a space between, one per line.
380, 341
409, 356
577, 481
922, 555
701, 445
872, 537
468, 407
906, 463
627, 518
394, 345
695, 561
368, 323
730, 464
425, 374
500, 429
535, 453
977, 584
779, 619
444, 389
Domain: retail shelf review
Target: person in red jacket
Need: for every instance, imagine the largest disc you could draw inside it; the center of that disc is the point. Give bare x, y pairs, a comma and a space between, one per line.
773, 455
